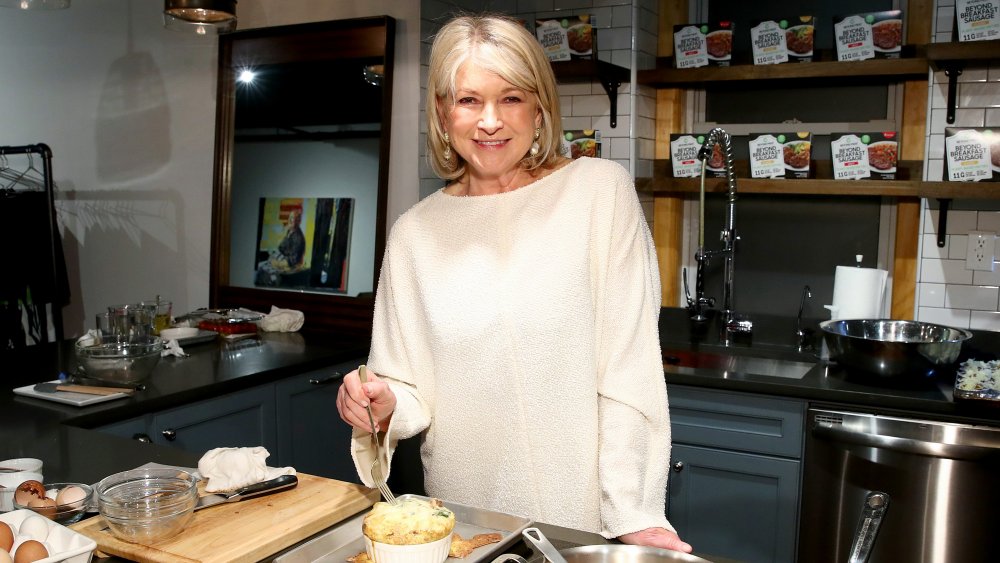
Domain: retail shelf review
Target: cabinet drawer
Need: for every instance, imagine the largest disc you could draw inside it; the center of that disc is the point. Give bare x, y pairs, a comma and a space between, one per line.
736, 421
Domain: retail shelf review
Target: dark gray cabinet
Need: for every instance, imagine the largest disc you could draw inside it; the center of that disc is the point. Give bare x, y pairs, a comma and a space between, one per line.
735, 473
243, 418
295, 419
311, 435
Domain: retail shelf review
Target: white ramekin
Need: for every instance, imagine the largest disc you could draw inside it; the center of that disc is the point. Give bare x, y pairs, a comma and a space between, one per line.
433, 552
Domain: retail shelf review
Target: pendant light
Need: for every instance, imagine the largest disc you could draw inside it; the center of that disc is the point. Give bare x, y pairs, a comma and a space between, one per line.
35, 4
201, 16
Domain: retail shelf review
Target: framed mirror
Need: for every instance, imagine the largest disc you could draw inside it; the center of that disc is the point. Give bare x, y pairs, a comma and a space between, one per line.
301, 170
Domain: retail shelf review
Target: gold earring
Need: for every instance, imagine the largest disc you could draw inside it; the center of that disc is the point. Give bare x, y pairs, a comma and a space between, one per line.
534, 146
447, 148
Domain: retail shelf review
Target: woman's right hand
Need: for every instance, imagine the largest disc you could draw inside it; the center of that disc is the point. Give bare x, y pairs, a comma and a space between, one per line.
353, 397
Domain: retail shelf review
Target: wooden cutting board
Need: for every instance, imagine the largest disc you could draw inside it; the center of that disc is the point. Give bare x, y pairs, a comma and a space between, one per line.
248, 530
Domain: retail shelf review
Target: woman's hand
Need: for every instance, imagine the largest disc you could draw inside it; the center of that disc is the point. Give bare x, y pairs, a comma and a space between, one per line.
656, 537
353, 397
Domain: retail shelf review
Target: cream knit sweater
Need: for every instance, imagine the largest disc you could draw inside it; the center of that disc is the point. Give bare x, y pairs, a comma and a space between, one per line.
519, 333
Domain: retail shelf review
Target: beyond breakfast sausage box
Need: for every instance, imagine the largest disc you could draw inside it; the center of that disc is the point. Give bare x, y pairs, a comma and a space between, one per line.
971, 154
977, 20
782, 40
781, 155
568, 38
875, 35
684, 161
703, 44
799, 37
859, 156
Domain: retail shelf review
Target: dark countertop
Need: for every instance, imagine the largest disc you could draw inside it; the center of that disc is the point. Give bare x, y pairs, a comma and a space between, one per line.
825, 382
58, 434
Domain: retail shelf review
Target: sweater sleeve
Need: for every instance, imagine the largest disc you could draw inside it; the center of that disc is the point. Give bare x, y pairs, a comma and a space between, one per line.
634, 423
388, 358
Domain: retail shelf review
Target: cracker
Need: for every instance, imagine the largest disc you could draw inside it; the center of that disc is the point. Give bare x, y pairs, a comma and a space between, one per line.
461, 547
359, 558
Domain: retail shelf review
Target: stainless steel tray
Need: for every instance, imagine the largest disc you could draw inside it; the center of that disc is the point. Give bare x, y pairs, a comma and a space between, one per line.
344, 539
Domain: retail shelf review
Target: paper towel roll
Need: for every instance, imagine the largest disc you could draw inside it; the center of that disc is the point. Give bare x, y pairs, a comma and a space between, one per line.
858, 293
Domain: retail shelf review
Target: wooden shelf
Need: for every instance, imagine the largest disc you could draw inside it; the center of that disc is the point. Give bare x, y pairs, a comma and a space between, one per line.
966, 51
891, 69
664, 184
609, 75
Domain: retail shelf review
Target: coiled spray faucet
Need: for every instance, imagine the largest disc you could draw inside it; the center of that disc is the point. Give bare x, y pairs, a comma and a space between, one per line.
718, 136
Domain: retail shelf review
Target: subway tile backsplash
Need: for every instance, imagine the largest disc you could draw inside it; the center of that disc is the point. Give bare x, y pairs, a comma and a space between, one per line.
947, 292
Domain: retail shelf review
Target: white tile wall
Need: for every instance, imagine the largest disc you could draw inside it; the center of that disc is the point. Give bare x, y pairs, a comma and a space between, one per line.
948, 292
586, 105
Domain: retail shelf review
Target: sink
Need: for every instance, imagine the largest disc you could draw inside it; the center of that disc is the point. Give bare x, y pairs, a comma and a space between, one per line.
738, 364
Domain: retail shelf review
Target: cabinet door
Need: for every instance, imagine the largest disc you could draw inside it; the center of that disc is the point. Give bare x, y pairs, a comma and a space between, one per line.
241, 419
311, 436
736, 505
133, 428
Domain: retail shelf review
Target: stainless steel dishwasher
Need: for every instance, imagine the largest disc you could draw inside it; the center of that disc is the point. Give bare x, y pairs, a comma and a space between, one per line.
888, 489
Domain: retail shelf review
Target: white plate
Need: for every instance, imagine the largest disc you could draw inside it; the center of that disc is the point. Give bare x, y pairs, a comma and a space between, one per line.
796, 53
719, 32
67, 397
795, 142
895, 49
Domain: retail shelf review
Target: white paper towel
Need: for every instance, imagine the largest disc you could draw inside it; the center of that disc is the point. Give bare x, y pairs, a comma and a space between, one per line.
858, 293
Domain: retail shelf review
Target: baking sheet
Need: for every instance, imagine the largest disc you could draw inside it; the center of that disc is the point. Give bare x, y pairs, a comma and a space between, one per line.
67, 397
345, 540
202, 336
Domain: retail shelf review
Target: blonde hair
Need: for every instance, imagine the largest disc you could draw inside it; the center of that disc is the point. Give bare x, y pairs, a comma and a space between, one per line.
503, 46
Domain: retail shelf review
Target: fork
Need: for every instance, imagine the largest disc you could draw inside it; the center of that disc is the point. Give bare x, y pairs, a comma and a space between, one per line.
376, 468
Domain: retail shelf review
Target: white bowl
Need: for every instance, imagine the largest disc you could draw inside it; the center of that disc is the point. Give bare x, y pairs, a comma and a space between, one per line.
30, 470
433, 552
64, 544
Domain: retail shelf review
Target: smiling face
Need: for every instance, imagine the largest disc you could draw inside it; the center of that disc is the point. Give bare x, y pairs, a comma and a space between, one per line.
491, 123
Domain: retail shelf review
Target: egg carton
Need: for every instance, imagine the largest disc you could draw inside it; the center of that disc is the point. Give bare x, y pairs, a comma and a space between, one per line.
64, 544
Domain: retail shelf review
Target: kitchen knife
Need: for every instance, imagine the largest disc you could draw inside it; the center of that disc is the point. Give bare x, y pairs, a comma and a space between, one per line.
52, 387
257, 489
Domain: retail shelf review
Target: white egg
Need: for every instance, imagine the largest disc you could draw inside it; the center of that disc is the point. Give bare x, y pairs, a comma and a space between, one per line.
34, 527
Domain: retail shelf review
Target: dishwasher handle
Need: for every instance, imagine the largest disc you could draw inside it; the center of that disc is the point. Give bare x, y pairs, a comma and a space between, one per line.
906, 445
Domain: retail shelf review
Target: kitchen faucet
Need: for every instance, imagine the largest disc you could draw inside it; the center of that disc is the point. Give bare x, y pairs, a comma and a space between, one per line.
801, 333
728, 236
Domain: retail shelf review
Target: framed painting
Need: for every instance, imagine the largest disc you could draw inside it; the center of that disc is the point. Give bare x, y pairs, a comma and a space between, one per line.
303, 243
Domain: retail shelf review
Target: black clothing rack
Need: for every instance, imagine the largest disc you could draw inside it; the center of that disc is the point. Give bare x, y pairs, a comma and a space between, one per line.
55, 248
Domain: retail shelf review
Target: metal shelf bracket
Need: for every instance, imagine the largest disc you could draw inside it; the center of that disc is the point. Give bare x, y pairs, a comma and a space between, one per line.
611, 86
942, 228
952, 70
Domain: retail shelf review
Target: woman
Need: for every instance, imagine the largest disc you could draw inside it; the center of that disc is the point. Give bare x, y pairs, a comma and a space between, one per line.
515, 321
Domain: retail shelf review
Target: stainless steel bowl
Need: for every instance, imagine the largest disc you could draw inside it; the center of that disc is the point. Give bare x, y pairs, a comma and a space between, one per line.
890, 348
120, 362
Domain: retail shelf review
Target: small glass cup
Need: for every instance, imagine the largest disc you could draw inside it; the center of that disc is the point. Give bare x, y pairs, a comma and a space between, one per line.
162, 313
131, 322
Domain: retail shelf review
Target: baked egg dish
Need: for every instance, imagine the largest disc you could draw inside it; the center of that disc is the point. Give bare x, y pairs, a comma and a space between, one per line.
412, 521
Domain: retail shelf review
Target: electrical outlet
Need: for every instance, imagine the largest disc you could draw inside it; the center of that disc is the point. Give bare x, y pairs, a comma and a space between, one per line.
979, 255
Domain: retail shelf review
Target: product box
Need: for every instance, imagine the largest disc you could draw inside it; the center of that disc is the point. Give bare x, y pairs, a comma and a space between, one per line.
684, 161
858, 156
781, 155
585, 142
799, 35
868, 36
977, 20
684, 149
703, 44
767, 42
971, 154
564, 39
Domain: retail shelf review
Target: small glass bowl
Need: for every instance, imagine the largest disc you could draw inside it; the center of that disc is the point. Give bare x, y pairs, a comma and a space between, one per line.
147, 505
66, 513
